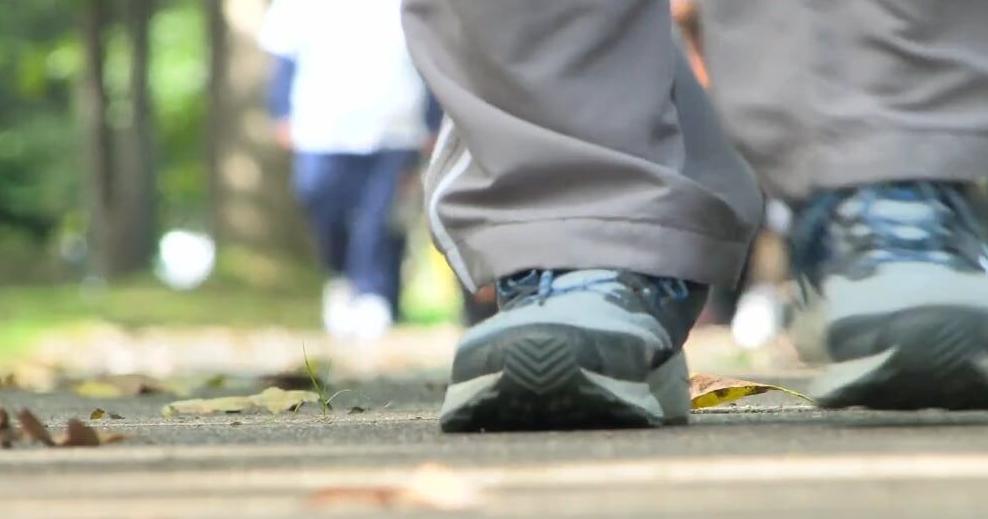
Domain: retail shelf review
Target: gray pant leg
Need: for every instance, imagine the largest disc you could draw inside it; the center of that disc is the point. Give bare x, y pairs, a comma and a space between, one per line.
576, 138
832, 93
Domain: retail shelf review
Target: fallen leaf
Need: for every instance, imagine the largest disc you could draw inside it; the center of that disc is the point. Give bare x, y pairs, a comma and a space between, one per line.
277, 400
6, 431
439, 488
108, 437
205, 406
116, 386
99, 414
711, 390
430, 486
273, 399
33, 428
79, 435
378, 496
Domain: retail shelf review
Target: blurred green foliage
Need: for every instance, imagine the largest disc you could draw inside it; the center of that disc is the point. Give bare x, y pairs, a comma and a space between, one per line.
28, 313
43, 206
42, 201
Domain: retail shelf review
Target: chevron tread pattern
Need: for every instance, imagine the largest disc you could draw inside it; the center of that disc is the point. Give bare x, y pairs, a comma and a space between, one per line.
543, 387
540, 364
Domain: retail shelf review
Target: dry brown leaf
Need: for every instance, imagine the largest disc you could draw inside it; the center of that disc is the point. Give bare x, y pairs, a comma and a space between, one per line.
711, 390
33, 428
6, 431
439, 488
430, 486
78, 434
374, 496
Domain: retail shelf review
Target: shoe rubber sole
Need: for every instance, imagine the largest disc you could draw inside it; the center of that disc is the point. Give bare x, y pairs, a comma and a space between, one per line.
929, 358
543, 387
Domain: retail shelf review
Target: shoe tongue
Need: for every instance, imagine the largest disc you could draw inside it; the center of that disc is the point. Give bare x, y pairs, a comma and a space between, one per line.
892, 205
902, 211
576, 277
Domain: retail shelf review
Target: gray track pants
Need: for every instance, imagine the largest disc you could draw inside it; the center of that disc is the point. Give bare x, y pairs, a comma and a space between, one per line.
578, 138
830, 93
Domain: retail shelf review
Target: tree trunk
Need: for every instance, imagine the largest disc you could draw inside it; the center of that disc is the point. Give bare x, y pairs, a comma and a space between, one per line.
122, 182
100, 140
253, 209
136, 234
217, 36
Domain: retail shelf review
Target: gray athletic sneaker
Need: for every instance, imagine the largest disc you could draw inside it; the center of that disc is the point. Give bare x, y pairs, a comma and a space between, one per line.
894, 293
580, 349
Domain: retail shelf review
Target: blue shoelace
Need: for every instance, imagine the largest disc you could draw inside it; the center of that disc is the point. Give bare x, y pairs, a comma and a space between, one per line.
539, 285
949, 233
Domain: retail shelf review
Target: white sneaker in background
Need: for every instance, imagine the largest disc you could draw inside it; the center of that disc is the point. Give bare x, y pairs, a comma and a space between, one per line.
370, 317
337, 303
758, 318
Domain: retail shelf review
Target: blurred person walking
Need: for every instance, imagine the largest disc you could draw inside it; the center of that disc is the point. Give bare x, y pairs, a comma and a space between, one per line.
582, 168
349, 103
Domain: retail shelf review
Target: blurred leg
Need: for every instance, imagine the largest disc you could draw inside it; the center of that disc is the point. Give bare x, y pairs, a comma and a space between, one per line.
827, 94
322, 185
872, 115
373, 259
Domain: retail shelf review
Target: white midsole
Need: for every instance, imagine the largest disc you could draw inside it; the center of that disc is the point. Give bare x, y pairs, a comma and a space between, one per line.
839, 375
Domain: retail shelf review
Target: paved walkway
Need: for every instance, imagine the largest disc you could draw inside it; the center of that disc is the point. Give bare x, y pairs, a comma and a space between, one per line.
774, 458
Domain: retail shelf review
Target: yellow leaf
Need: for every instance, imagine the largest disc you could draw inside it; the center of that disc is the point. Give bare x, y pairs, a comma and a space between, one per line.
277, 400
97, 414
273, 399
203, 406
710, 390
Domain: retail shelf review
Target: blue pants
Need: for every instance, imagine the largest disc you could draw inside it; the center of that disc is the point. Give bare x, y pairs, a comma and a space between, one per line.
348, 199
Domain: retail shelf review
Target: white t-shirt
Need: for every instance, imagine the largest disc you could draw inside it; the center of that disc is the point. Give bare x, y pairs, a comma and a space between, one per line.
355, 89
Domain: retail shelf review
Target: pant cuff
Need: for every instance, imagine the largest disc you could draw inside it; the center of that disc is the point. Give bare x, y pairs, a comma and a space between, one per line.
576, 243
853, 158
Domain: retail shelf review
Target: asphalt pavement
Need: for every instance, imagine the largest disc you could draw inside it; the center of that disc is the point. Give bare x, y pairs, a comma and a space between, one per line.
379, 453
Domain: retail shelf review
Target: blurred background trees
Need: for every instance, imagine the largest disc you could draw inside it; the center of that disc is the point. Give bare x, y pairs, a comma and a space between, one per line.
122, 119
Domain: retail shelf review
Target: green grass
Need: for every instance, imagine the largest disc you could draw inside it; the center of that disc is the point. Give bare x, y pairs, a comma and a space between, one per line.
247, 291
28, 312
